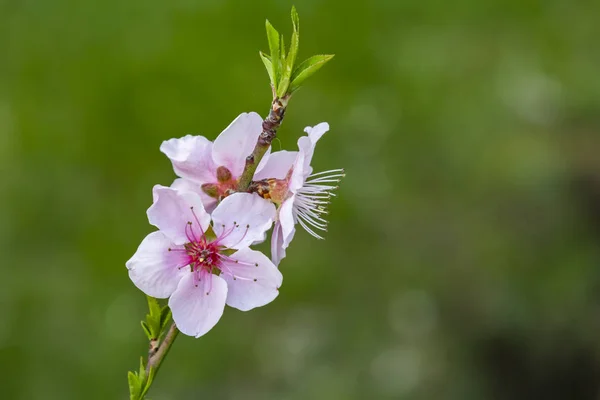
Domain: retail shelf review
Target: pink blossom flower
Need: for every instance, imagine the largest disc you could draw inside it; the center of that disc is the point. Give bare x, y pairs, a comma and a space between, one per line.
201, 267
212, 169
302, 196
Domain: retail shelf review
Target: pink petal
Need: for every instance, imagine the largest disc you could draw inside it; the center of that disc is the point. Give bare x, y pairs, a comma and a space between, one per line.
252, 282
277, 250
196, 309
185, 185
306, 146
315, 132
277, 166
154, 269
173, 210
301, 166
236, 142
287, 221
242, 219
191, 157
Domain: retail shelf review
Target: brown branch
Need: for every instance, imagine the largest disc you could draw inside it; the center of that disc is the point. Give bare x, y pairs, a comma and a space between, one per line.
268, 134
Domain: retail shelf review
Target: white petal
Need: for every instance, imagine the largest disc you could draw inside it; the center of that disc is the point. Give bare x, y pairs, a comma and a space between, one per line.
196, 309
277, 249
315, 132
277, 166
185, 185
252, 282
236, 142
242, 219
287, 221
154, 269
191, 157
173, 210
306, 147
301, 166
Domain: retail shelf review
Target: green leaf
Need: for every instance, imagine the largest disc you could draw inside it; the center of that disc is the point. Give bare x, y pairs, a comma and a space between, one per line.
273, 37
268, 65
291, 58
142, 373
147, 330
148, 382
165, 316
153, 306
135, 386
288, 63
306, 69
282, 52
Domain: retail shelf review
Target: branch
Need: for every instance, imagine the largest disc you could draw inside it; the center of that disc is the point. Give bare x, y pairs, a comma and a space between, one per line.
268, 134
157, 355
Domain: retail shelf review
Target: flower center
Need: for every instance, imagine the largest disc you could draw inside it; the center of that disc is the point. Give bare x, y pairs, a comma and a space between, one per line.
203, 256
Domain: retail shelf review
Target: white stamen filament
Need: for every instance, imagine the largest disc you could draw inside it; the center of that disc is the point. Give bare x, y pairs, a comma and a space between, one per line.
312, 199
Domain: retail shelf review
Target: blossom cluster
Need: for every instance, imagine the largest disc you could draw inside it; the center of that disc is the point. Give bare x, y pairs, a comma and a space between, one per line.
200, 258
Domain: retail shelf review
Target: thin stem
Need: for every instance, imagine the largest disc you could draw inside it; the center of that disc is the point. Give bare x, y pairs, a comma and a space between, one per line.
156, 359
156, 356
268, 134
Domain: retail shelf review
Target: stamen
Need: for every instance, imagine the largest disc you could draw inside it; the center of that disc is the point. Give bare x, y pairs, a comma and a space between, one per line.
312, 200
199, 225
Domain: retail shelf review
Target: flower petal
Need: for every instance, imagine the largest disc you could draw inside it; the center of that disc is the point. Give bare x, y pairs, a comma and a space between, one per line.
287, 221
191, 157
315, 132
236, 142
242, 219
196, 309
154, 269
173, 210
252, 281
277, 250
277, 166
306, 147
185, 185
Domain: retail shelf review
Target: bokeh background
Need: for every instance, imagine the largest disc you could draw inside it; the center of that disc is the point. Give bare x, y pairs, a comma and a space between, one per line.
462, 260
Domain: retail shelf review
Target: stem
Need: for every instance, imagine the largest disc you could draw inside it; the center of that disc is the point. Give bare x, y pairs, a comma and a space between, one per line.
268, 134
157, 355
156, 359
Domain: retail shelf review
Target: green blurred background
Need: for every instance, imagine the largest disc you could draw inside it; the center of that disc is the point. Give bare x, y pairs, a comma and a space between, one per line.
462, 260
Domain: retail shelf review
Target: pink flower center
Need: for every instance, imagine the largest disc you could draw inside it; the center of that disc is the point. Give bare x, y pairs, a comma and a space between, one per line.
205, 257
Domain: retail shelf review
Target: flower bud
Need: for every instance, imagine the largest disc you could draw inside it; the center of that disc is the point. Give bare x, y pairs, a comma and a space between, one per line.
223, 174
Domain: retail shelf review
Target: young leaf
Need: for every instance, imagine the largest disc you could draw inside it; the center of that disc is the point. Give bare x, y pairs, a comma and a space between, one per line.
151, 374
135, 386
291, 58
147, 330
268, 65
282, 52
142, 374
273, 37
165, 315
306, 69
153, 306
288, 63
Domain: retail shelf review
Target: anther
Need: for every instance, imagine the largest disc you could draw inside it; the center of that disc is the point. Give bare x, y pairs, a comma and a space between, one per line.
256, 264
255, 279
